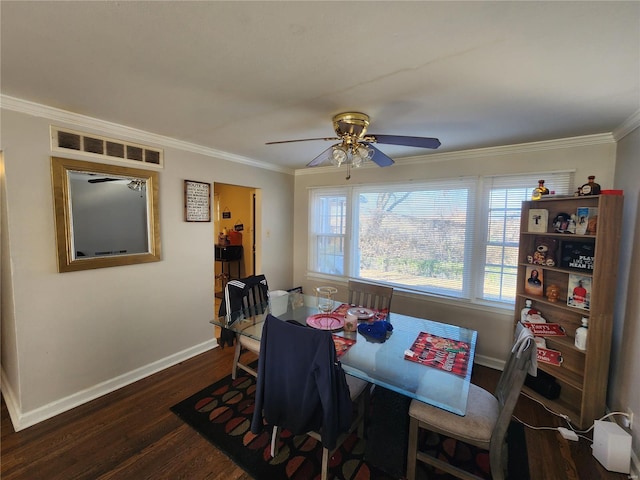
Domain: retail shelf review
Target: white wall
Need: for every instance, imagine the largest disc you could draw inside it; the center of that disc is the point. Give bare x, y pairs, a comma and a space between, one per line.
68, 337
624, 380
593, 155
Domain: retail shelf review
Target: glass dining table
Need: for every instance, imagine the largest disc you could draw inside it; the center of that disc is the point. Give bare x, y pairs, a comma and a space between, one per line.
385, 363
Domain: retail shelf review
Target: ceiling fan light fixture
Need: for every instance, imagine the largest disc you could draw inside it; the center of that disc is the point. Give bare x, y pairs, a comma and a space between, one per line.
339, 155
136, 185
361, 154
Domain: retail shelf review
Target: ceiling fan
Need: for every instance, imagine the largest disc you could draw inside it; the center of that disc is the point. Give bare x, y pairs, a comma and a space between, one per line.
103, 179
135, 184
355, 145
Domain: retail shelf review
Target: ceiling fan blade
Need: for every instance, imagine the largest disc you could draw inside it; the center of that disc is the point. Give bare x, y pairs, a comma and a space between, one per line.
422, 142
380, 158
100, 180
323, 157
301, 140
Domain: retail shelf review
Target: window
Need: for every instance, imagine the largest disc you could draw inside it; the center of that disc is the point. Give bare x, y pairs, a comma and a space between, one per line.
453, 238
328, 232
504, 196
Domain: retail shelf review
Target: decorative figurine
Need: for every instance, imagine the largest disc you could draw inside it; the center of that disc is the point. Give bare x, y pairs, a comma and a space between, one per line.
589, 188
525, 310
534, 316
544, 253
530, 314
539, 191
553, 293
561, 223
592, 225
581, 334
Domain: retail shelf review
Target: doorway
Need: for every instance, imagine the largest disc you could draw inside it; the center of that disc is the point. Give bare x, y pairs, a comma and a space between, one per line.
237, 212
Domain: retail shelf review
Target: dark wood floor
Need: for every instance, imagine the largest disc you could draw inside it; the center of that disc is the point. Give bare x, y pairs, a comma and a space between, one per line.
131, 434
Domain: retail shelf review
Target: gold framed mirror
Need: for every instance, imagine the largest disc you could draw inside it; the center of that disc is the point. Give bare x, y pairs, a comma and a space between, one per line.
105, 215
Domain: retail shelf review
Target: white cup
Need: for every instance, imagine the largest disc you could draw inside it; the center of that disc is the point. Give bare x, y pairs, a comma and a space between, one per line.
350, 322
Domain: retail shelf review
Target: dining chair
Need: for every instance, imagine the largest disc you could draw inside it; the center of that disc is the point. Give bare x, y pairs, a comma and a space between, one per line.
302, 387
486, 420
244, 298
369, 295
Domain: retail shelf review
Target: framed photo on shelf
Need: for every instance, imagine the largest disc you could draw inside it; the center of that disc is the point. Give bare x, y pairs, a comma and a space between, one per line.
579, 291
197, 201
584, 215
538, 220
533, 281
577, 255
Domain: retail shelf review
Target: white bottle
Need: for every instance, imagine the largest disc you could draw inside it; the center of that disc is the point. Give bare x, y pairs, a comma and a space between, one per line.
581, 335
525, 311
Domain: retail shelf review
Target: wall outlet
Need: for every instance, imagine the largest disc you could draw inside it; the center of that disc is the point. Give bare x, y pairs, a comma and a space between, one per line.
627, 421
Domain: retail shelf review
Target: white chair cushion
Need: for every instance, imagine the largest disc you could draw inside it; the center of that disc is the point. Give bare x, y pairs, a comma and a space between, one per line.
249, 343
356, 386
474, 428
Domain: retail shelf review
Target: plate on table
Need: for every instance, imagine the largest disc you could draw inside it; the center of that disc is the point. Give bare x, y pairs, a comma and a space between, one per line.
362, 313
326, 321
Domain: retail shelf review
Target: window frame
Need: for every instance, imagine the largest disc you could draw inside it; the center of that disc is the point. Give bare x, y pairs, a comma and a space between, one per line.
478, 210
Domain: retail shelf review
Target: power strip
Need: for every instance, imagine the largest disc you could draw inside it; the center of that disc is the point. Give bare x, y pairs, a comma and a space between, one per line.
568, 434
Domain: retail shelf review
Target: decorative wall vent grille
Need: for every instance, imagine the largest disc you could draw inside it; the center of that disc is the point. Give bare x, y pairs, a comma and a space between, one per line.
69, 140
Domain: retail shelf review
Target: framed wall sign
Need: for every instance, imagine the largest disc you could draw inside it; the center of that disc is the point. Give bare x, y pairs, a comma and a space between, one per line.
197, 201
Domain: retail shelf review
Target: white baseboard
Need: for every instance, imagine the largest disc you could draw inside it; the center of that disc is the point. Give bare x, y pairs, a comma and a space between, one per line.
489, 362
635, 466
22, 420
9, 398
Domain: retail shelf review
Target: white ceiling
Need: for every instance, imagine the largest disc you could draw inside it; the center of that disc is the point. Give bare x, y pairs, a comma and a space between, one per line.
233, 75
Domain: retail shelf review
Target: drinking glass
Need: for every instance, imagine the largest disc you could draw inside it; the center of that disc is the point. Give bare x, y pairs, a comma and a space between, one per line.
324, 297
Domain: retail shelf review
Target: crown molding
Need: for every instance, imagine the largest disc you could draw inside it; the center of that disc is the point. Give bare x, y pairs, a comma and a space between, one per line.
628, 126
557, 144
83, 121
119, 131
572, 142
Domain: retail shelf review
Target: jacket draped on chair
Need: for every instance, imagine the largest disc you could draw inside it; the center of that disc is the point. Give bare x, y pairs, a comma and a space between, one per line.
301, 386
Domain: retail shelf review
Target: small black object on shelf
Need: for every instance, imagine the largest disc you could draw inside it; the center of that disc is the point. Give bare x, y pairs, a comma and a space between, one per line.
544, 384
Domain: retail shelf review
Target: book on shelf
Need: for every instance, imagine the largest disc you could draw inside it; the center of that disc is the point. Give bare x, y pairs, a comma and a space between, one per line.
579, 291
538, 220
578, 255
584, 215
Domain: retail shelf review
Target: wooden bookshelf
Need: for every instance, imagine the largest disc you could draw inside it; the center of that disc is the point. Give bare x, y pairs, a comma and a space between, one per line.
582, 375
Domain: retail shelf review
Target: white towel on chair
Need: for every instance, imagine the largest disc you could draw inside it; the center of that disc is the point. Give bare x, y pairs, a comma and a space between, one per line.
524, 337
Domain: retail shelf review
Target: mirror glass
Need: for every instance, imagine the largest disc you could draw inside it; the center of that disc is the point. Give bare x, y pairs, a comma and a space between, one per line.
106, 215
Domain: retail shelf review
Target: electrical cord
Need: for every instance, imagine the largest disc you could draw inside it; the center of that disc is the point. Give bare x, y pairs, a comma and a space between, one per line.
555, 429
579, 433
533, 427
566, 417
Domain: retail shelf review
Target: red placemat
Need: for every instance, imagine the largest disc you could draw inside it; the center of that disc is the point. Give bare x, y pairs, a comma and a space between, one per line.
379, 314
342, 344
440, 352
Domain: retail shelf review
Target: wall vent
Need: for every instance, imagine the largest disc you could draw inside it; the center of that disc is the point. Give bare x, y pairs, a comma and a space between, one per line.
64, 140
